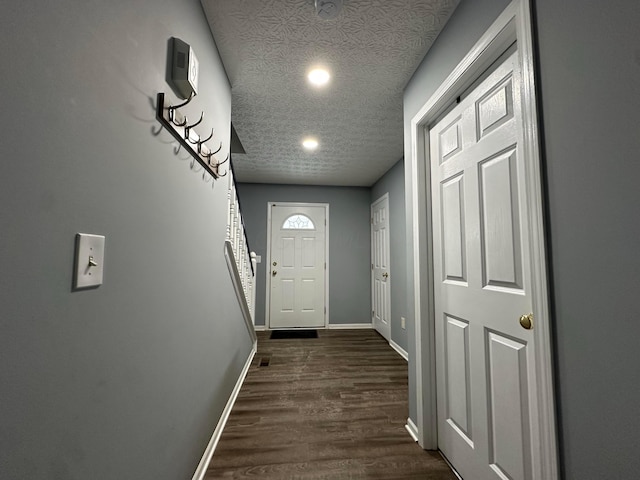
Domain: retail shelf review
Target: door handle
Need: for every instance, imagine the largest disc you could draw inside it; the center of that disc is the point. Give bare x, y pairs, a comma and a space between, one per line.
385, 275
274, 273
526, 321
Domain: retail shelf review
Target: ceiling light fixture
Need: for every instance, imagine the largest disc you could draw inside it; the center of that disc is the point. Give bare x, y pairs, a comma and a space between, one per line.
310, 143
318, 77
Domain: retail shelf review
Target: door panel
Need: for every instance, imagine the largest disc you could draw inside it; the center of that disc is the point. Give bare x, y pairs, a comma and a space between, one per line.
297, 269
453, 243
380, 267
458, 380
500, 232
508, 404
484, 359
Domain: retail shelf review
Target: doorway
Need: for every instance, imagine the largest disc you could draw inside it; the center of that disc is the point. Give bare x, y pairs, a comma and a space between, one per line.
380, 267
485, 389
297, 274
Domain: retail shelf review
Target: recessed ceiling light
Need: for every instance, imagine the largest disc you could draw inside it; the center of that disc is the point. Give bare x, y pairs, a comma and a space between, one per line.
318, 77
310, 143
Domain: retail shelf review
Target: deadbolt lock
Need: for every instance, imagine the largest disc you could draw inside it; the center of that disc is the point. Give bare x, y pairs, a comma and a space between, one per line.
275, 264
526, 321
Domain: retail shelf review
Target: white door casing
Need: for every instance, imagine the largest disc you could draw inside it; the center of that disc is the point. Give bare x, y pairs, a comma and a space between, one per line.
513, 25
296, 277
380, 267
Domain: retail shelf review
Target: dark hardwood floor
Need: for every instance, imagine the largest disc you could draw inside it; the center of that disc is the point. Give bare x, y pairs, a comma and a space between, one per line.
333, 407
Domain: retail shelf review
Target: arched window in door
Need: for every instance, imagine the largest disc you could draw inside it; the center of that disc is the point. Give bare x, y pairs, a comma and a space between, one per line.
298, 222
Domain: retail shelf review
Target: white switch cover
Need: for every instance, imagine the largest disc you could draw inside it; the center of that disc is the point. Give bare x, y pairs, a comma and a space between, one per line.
89, 260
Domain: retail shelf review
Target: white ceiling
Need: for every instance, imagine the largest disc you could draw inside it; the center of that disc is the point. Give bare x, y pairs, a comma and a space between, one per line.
371, 49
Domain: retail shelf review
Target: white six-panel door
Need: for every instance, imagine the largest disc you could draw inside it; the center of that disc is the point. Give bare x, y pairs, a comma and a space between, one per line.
380, 267
297, 269
484, 356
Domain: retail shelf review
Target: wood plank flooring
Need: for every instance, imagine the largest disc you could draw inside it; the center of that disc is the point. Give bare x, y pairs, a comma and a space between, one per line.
327, 408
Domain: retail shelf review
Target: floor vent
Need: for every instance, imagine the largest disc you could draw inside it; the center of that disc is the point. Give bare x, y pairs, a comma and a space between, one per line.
264, 361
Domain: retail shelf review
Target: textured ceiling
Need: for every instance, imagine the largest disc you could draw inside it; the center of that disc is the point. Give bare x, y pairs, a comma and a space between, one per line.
371, 49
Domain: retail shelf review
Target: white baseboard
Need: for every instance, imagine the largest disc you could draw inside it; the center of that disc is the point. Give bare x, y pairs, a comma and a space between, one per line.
348, 326
331, 326
217, 433
403, 353
412, 429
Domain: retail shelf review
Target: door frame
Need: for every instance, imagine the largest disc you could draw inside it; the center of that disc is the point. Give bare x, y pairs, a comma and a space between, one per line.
381, 199
513, 25
270, 205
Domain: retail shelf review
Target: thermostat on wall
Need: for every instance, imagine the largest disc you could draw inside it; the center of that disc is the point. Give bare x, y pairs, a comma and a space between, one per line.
184, 68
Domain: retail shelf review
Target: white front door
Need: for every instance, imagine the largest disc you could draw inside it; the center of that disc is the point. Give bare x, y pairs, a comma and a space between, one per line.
485, 357
298, 266
380, 267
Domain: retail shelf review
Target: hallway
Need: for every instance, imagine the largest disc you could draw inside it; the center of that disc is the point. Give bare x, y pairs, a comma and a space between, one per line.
332, 407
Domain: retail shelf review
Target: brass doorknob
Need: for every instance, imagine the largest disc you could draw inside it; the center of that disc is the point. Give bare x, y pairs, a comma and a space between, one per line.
274, 273
526, 321
385, 275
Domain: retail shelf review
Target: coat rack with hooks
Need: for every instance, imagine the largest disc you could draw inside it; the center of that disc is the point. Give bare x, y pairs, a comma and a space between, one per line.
183, 131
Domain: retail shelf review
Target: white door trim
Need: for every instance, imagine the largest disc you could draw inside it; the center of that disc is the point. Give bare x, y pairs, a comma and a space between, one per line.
513, 25
267, 311
382, 198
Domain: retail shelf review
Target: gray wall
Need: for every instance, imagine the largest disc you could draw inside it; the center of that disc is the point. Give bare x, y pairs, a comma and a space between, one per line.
589, 79
393, 183
465, 27
127, 380
349, 243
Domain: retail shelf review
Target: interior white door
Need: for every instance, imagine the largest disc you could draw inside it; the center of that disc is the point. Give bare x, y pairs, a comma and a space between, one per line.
298, 266
380, 267
486, 379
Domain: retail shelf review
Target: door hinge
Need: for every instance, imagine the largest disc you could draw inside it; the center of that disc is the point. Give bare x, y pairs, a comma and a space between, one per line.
371, 220
325, 265
372, 266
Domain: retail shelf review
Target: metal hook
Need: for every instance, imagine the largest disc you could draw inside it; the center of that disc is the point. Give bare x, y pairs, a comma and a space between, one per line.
201, 141
188, 127
181, 124
175, 107
187, 131
219, 148
224, 161
211, 154
172, 108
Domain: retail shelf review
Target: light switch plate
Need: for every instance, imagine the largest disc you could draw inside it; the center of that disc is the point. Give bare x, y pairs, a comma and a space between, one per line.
89, 266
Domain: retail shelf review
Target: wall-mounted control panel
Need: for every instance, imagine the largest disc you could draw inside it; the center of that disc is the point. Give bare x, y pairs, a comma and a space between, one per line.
184, 68
89, 264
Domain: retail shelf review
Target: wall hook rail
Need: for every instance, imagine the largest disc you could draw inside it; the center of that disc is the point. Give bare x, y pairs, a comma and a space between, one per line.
184, 133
